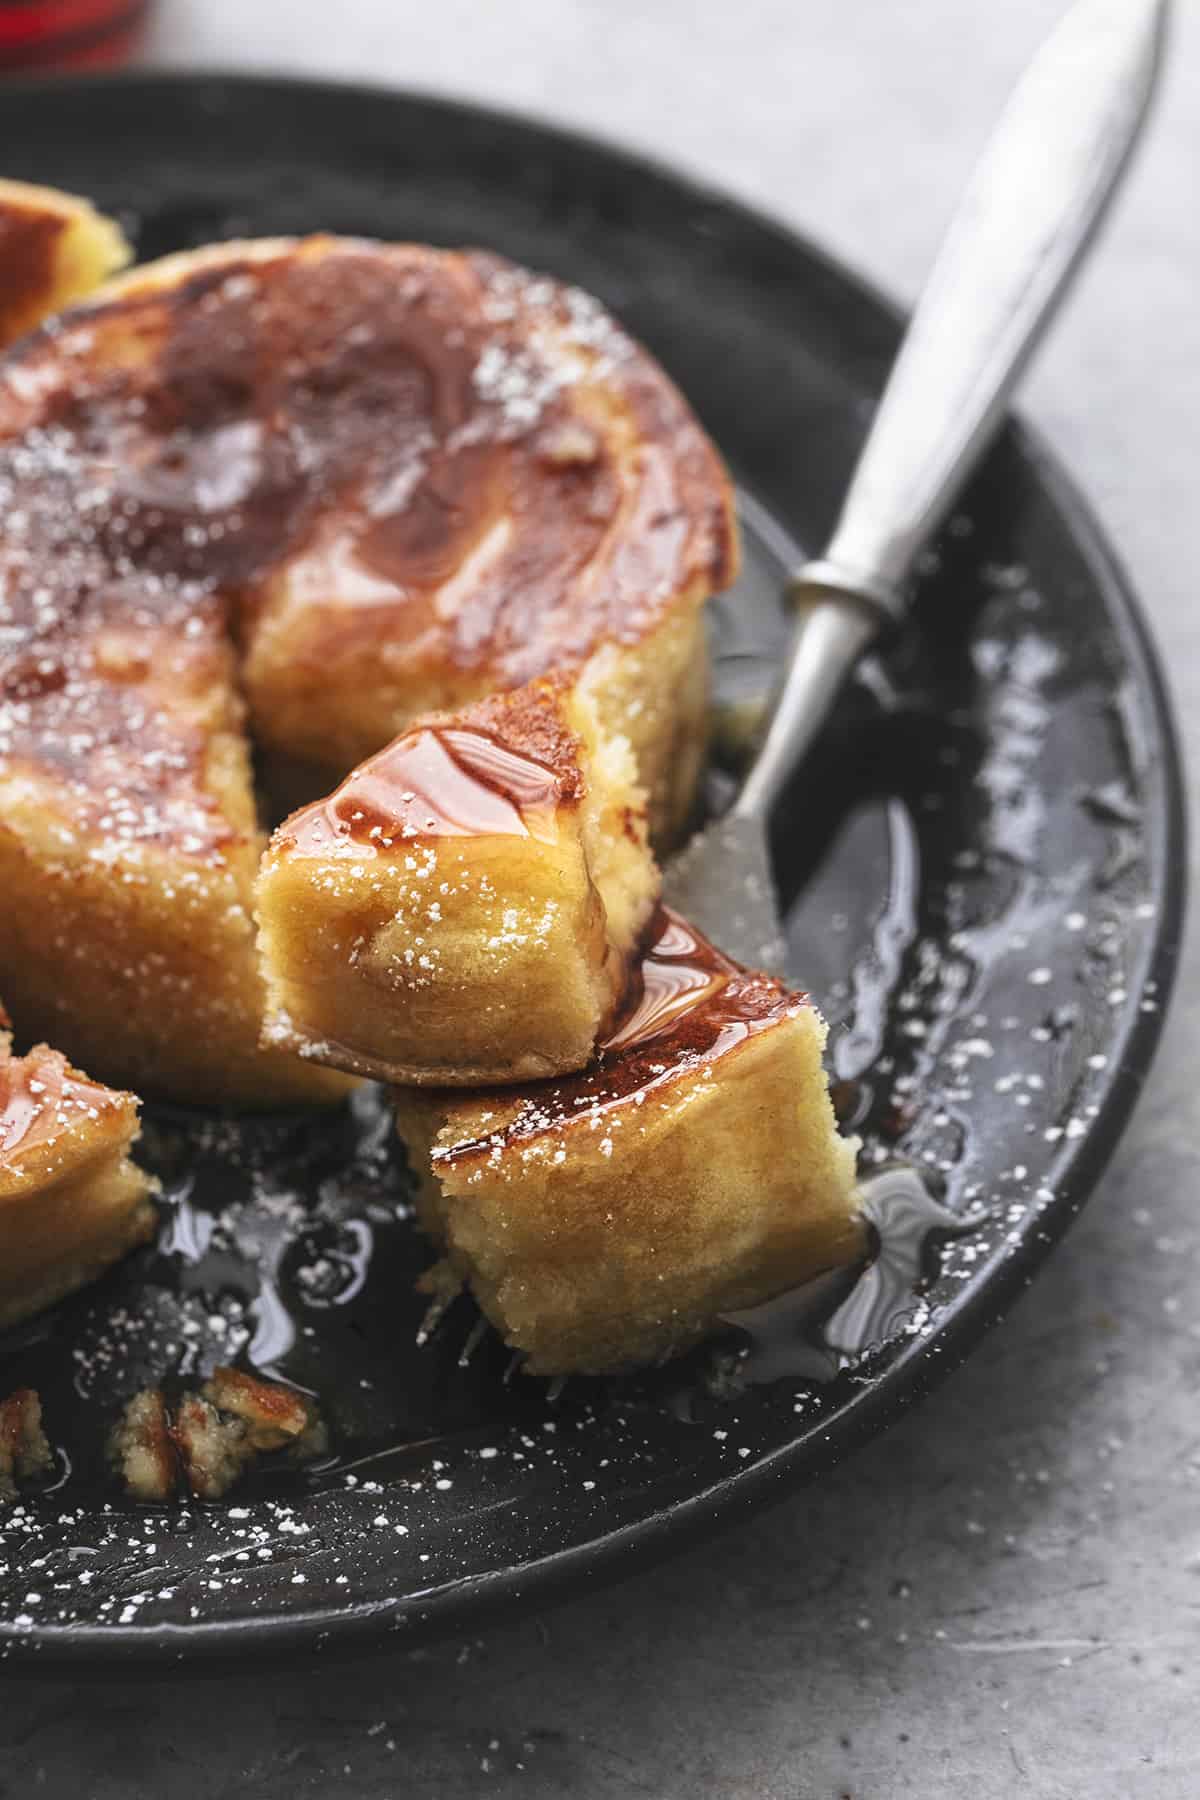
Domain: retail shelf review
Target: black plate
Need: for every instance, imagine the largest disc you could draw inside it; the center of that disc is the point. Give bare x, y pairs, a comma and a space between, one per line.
985, 861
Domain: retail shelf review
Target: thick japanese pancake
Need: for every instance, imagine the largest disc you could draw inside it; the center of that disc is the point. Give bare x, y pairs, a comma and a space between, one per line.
611, 1217
55, 248
464, 908
71, 1200
339, 484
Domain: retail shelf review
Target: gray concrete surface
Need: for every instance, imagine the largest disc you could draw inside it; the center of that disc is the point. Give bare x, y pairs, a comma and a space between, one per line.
1003, 1596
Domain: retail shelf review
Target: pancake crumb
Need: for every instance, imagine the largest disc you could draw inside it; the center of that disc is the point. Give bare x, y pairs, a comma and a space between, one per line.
208, 1441
24, 1448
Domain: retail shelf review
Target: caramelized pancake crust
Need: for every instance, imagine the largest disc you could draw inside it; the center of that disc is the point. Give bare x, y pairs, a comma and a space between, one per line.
350, 483
534, 490
29, 239
687, 1005
448, 779
41, 1096
71, 1201
401, 473
54, 249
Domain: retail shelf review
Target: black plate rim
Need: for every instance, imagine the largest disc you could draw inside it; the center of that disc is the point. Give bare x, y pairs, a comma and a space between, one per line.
918, 1368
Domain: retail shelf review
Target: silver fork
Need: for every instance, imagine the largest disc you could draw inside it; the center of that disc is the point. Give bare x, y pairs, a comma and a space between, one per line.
1041, 189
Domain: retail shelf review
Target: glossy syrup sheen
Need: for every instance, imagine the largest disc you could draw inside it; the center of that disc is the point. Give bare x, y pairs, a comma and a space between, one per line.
678, 973
687, 1005
392, 424
441, 781
812, 1332
39, 1097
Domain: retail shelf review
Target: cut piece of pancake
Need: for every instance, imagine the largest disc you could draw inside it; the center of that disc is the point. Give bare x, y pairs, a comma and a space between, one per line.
464, 908
128, 850
71, 1200
55, 248
610, 1218
128, 835
352, 482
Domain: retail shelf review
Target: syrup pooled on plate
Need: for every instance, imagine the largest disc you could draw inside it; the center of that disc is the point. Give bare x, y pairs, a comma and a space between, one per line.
815, 1331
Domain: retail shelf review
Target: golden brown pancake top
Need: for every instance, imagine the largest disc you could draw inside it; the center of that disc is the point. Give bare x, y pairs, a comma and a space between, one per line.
42, 1095
503, 767
484, 450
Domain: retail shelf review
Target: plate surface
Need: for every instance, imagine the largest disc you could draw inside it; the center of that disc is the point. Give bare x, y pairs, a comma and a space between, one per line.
984, 866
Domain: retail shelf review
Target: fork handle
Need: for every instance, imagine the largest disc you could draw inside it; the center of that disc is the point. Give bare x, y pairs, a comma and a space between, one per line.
1029, 212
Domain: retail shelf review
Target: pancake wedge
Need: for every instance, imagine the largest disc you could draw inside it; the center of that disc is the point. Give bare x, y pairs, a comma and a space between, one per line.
71, 1199
611, 1217
464, 908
